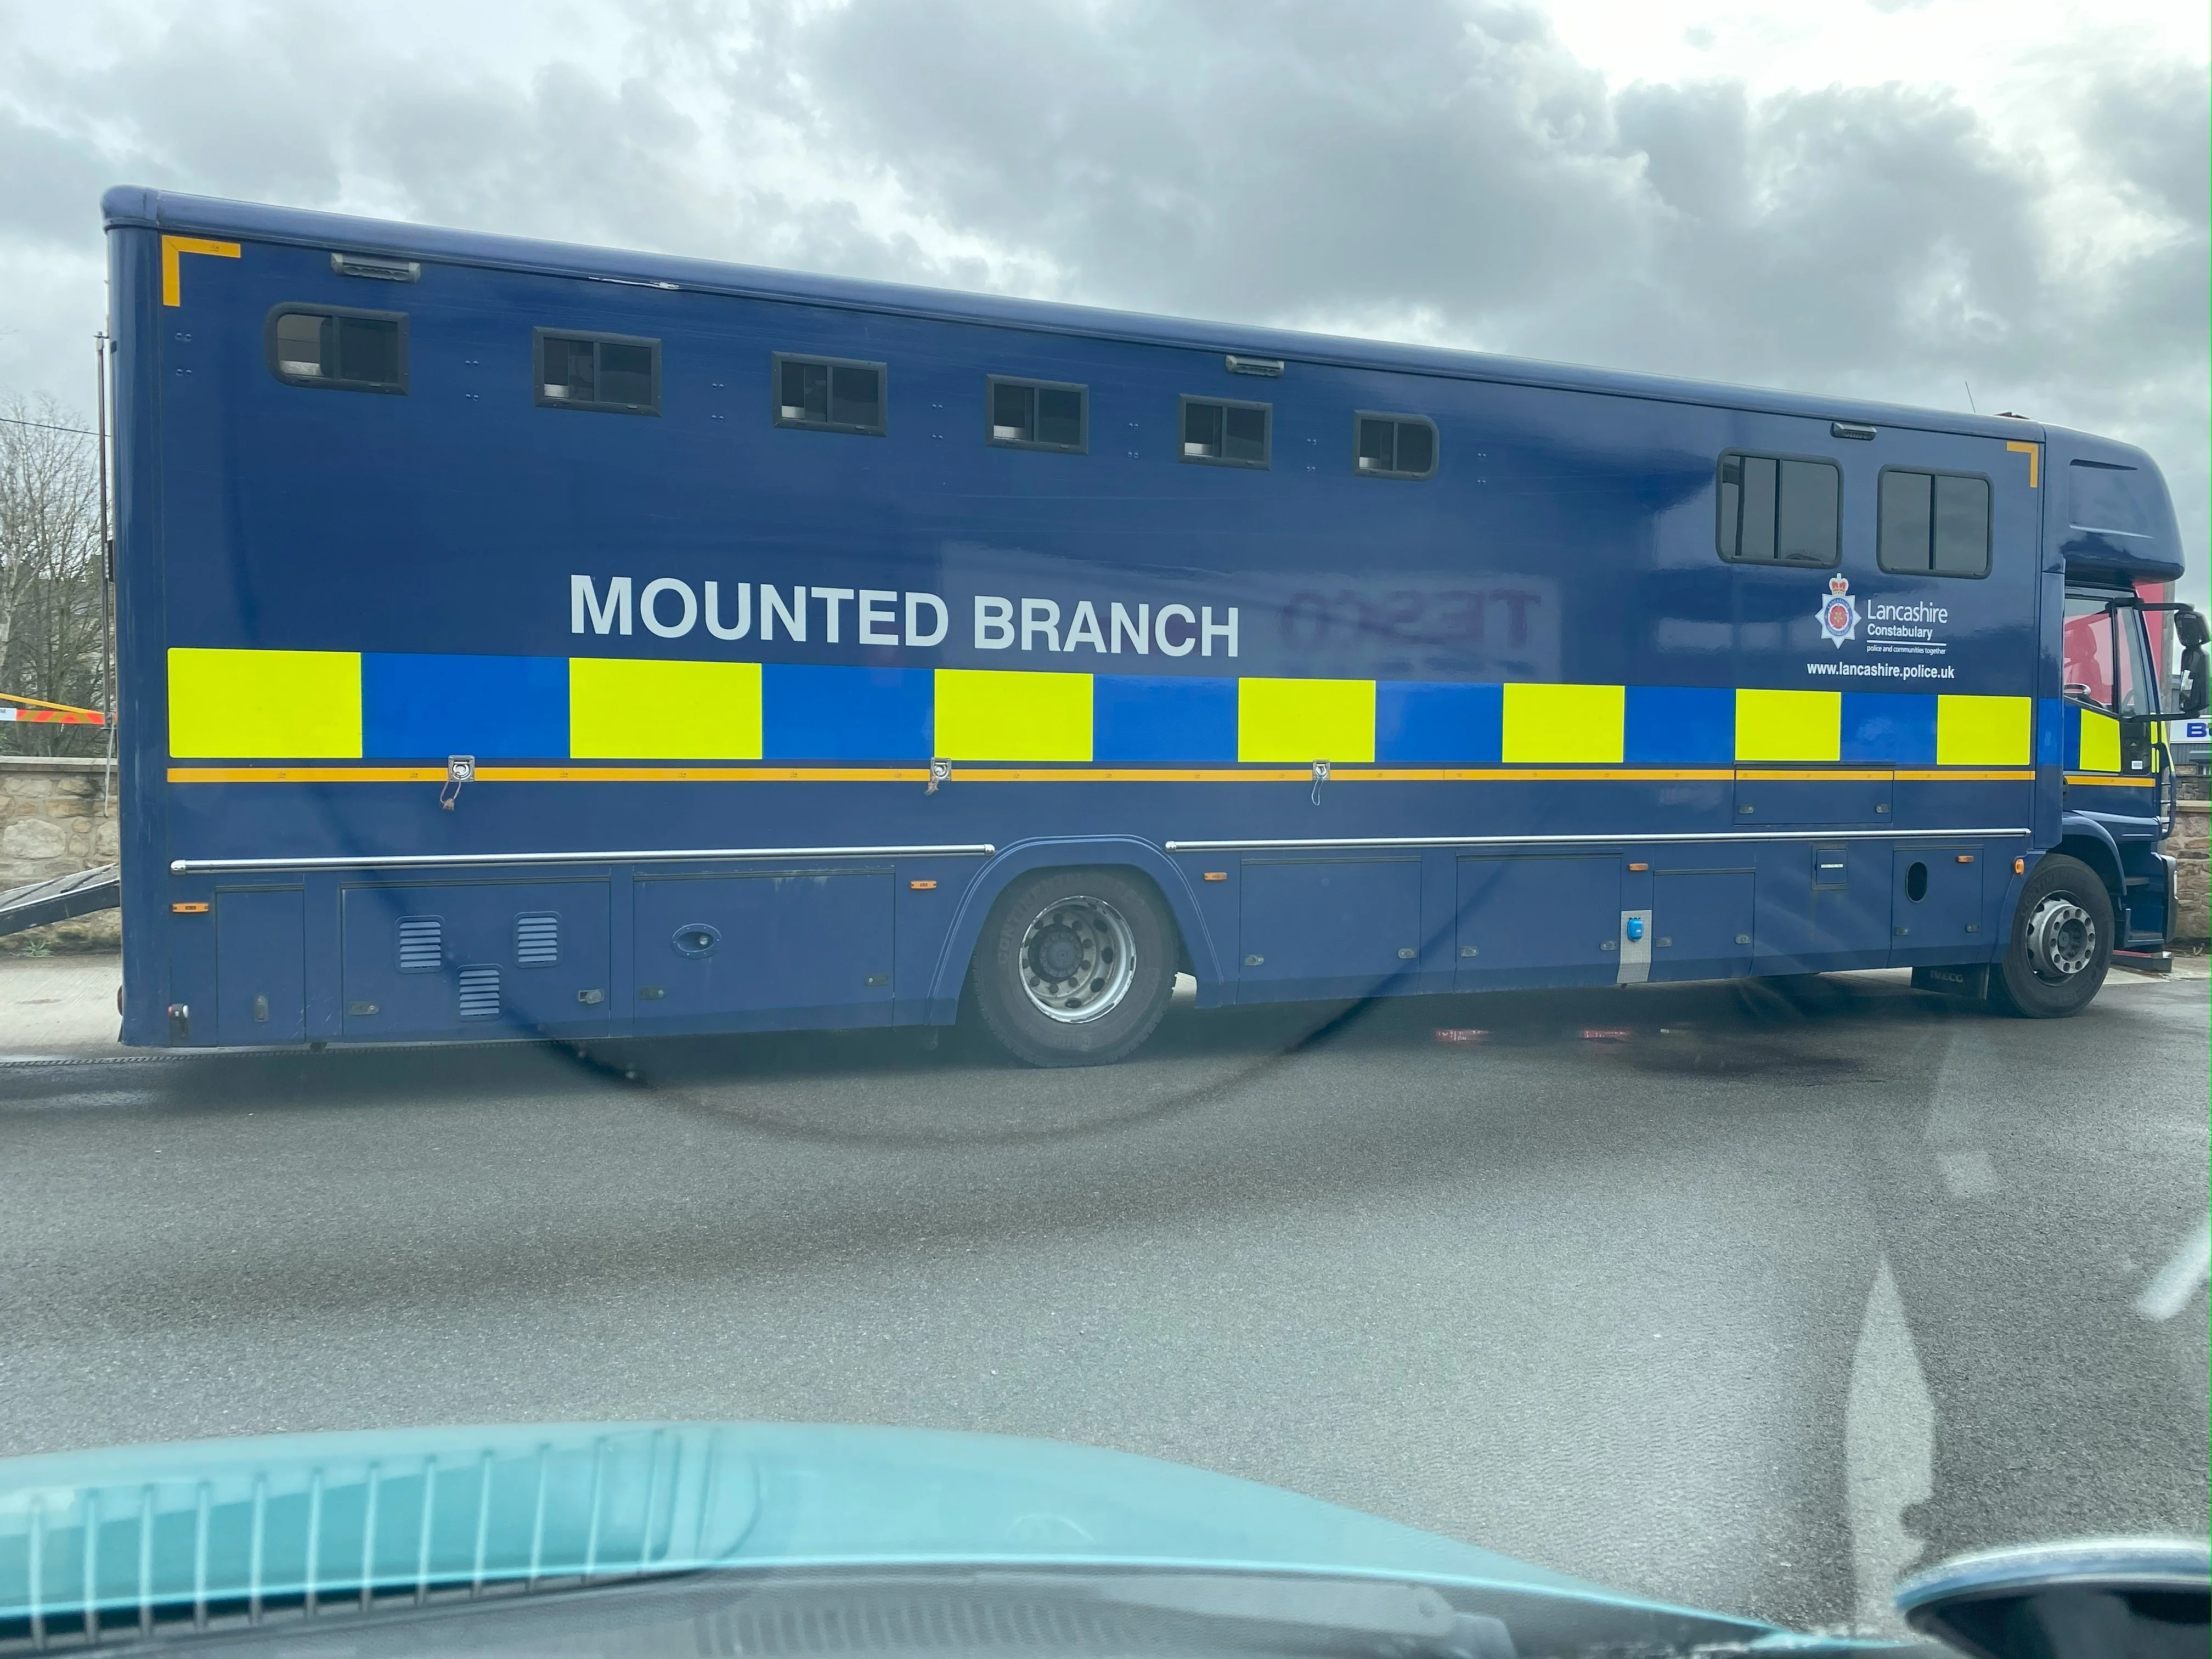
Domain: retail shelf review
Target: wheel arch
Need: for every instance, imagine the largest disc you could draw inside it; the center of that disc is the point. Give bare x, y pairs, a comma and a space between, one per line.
2090, 842
1139, 858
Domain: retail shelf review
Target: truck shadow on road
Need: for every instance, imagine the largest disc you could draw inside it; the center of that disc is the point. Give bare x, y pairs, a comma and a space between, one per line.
909, 1086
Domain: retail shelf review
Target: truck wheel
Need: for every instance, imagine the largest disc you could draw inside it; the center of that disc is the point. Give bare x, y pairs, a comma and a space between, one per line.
1075, 967
2062, 943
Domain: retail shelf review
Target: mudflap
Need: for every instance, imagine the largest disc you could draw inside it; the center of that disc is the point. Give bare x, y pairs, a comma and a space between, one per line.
1971, 981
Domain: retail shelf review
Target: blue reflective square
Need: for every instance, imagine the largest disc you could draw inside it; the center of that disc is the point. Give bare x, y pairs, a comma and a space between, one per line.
1897, 727
812, 711
1159, 717
1678, 725
2057, 734
428, 707
1438, 722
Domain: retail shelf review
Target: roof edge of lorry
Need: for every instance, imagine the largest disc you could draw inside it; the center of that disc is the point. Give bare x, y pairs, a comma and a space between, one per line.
138, 207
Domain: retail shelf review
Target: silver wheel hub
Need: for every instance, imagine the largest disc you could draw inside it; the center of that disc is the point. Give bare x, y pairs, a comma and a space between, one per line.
1077, 960
2062, 938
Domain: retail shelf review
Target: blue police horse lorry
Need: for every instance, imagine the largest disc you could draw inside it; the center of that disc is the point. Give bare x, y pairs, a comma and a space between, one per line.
527, 640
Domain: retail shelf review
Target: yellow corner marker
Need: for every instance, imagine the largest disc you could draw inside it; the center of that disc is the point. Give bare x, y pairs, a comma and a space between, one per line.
173, 276
2034, 453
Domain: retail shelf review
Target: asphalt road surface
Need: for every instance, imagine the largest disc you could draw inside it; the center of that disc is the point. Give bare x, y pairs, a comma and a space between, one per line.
1748, 1309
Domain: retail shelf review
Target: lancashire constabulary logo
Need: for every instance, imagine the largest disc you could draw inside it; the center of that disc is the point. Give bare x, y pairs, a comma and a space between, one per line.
1839, 614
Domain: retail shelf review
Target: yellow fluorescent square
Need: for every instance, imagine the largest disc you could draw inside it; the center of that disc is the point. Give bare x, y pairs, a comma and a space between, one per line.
1788, 726
620, 708
264, 705
1983, 731
1580, 724
2100, 742
1304, 720
1009, 715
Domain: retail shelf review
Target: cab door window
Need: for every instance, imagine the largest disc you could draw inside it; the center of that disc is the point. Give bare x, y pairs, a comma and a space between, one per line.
2106, 660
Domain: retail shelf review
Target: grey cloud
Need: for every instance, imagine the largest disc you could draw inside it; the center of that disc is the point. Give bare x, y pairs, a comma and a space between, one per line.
1446, 166
2149, 129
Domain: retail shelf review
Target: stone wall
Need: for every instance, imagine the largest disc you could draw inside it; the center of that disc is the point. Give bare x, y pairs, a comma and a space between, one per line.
2187, 844
53, 821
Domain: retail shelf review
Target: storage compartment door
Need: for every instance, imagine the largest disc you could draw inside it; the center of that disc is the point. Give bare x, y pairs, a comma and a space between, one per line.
475, 959
1935, 908
1537, 920
260, 965
1328, 927
739, 952
1701, 923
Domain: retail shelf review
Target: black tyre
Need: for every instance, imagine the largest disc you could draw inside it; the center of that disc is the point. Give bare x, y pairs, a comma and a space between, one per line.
2062, 943
1075, 967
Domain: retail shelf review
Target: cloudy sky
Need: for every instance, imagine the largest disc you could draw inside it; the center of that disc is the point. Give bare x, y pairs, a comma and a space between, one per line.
1916, 200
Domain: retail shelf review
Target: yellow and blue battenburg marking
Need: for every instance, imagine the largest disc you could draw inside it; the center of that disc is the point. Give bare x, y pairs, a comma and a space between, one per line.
339, 705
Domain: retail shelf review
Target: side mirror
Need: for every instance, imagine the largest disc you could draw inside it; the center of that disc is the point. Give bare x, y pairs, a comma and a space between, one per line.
2190, 629
2098, 1599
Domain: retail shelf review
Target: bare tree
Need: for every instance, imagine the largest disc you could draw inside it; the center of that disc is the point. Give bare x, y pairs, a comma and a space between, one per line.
50, 587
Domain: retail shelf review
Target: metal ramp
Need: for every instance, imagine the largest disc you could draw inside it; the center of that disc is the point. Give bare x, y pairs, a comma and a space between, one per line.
59, 897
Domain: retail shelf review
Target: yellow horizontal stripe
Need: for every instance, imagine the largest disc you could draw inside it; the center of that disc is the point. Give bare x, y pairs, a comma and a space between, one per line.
306, 774
2110, 780
1816, 774
1085, 775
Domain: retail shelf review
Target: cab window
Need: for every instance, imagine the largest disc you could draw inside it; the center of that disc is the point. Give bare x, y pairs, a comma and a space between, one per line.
2106, 658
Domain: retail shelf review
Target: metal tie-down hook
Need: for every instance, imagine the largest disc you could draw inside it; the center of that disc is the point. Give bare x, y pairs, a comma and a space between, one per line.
459, 769
941, 771
1321, 776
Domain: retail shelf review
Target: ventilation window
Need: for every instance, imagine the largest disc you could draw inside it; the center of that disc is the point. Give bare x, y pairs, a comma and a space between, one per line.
537, 940
1933, 524
337, 349
830, 394
1038, 415
421, 944
611, 374
1774, 510
1219, 433
479, 994
1395, 446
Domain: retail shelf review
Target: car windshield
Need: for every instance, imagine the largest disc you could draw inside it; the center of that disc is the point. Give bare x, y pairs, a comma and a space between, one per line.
1385, 840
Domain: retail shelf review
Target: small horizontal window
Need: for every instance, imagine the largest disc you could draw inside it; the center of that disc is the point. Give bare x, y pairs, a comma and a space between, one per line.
339, 349
1933, 524
1215, 433
1038, 415
828, 394
611, 373
1775, 510
1395, 446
